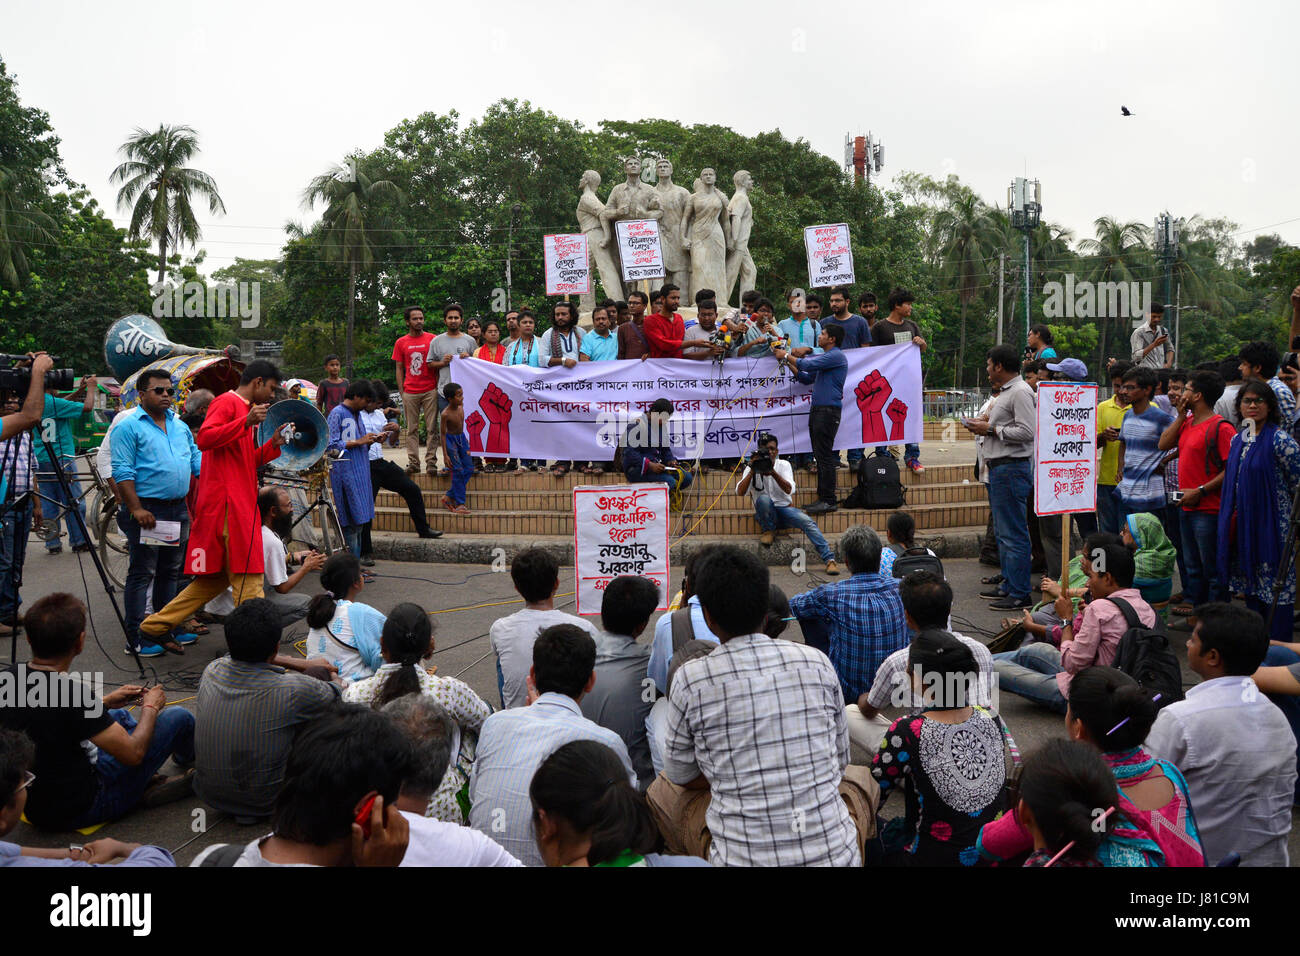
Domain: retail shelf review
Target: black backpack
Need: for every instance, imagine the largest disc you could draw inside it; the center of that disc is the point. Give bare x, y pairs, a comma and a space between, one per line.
1145, 655
880, 486
917, 559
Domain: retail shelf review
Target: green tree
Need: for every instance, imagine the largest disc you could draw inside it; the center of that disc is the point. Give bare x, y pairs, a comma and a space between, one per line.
158, 188
1119, 253
967, 235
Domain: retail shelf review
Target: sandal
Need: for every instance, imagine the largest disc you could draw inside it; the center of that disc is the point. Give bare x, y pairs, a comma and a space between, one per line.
461, 510
448, 504
195, 626
995, 579
1183, 610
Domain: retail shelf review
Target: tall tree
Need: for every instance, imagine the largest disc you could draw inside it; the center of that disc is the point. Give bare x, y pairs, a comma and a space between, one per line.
1118, 254
353, 224
968, 234
158, 187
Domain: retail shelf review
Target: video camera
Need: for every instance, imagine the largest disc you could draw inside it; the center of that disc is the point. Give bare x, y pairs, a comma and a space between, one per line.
16, 375
760, 462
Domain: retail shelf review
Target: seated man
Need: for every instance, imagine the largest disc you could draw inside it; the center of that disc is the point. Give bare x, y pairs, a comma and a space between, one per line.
17, 757
1040, 672
1234, 747
536, 576
927, 602
513, 743
337, 766
619, 702
676, 628
774, 786
94, 761
773, 492
252, 708
863, 616
430, 730
647, 452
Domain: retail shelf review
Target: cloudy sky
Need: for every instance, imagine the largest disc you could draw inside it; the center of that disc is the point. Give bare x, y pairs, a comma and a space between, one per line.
279, 91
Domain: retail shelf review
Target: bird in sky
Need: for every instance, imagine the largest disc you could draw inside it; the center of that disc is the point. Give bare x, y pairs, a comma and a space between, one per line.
1124, 110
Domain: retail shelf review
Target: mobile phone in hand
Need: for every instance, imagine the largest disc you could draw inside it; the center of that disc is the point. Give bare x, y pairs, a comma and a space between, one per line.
363, 815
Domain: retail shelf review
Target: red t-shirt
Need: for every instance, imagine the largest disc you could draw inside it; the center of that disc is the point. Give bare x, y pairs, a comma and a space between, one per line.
486, 353
1194, 465
412, 352
665, 335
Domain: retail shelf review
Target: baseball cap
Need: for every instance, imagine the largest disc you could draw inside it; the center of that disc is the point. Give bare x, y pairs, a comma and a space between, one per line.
1072, 367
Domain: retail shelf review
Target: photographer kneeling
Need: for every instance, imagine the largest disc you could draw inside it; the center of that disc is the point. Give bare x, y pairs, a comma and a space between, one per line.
770, 481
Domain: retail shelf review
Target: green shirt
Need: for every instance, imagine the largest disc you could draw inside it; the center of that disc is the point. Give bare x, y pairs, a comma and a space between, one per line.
56, 415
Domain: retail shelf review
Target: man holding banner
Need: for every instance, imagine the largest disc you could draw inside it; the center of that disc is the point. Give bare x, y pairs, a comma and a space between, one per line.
826, 374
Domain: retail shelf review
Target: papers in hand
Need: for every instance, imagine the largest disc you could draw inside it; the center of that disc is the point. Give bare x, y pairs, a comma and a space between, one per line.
162, 534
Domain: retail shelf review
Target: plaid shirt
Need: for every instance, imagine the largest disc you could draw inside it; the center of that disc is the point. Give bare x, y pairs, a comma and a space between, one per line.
866, 623
887, 689
763, 721
19, 447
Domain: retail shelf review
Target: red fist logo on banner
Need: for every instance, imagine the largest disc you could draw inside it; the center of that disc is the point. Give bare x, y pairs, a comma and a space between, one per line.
897, 412
474, 424
873, 394
496, 406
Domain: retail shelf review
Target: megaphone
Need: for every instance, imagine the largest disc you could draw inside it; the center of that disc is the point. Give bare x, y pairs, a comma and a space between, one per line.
134, 341
308, 439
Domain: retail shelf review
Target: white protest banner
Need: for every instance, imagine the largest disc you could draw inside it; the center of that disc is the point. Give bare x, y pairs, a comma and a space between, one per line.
1065, 449
830, 257
567, 269
619, 529
587, 411
638, 248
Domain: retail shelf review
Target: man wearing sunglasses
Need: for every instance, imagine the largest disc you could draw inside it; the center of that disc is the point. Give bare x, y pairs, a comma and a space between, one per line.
154, 455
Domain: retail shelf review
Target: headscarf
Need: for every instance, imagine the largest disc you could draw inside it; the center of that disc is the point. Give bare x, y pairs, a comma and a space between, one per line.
1156, 558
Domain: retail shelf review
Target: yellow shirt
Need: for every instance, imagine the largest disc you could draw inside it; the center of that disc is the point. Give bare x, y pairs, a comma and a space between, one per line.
1109, 415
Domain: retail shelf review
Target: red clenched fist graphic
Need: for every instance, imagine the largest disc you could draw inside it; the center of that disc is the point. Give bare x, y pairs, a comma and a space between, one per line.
897, 412
474, 424
872, 394
496, 406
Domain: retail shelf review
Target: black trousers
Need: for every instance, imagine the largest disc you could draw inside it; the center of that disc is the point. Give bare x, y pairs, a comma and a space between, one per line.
823, 423
389, 476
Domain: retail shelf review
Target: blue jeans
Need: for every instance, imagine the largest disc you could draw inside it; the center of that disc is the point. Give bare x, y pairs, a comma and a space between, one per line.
772, 516
1010, 486
52, 491
1030, 672
120, 786
460, 464
1107, 509
1174, 532
12, 553
1288, 704
1200, 554
352, 537
153, 566
668, 478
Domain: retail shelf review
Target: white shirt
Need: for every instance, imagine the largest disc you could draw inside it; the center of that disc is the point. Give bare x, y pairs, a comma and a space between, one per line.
374, 422
275, 562
103, 457
435, 843
512, 639
768, 485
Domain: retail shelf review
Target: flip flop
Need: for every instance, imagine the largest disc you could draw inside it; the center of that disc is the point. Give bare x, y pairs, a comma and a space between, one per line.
448, 504
171, 647
994, 579
1183, 610
461, 510
195, 626
169, 789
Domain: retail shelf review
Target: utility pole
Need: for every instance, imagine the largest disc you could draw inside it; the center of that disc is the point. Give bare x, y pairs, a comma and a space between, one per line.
1166, 247
1178, 320
1002, 264
1025, 202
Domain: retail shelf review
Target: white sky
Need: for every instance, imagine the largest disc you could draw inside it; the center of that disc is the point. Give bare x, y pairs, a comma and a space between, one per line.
986, 90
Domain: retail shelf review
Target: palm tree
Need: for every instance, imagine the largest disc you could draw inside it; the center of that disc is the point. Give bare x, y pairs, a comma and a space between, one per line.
968, 234
158, 186
20, 224
350, 223
1118, 254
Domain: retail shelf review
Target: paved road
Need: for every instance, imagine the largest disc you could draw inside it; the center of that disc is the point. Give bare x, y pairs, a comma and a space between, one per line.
464, 600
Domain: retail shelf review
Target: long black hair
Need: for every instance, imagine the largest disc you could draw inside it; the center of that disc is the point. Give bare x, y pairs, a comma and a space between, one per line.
1067, 788
1114, 709
585, 784
341, 572
406, 639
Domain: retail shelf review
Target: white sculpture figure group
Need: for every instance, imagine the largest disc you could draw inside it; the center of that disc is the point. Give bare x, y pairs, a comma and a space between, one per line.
704, 235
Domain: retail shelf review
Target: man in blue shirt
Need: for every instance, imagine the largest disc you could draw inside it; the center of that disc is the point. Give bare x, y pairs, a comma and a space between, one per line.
599, 345
154, 457
826, 373
55, 429
648, 453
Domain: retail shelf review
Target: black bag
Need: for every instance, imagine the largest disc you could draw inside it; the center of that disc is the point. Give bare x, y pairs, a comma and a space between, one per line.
917, 559
1145, 655
880, 487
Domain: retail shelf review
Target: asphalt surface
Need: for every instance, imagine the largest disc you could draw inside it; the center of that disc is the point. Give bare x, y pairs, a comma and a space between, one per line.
464, 601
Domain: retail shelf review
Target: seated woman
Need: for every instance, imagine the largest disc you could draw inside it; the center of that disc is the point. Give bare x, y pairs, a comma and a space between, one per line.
406, 641
948, 760
1111, 712
1061, 787
586, 813
1154, 558
341, 630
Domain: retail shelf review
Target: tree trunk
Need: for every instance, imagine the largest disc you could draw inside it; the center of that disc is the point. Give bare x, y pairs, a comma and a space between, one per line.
961, 346
162, 260
352, 312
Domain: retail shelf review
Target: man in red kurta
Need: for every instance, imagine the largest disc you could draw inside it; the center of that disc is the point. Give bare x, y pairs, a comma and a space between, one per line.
665, 328
225, 541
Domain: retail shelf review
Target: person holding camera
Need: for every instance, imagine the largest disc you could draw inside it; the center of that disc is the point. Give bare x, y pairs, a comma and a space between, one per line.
29, 415
56, 417
770, 482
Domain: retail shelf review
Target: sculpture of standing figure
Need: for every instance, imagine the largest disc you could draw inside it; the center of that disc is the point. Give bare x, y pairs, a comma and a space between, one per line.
705, 235
600, 240
741, 214
673, 200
